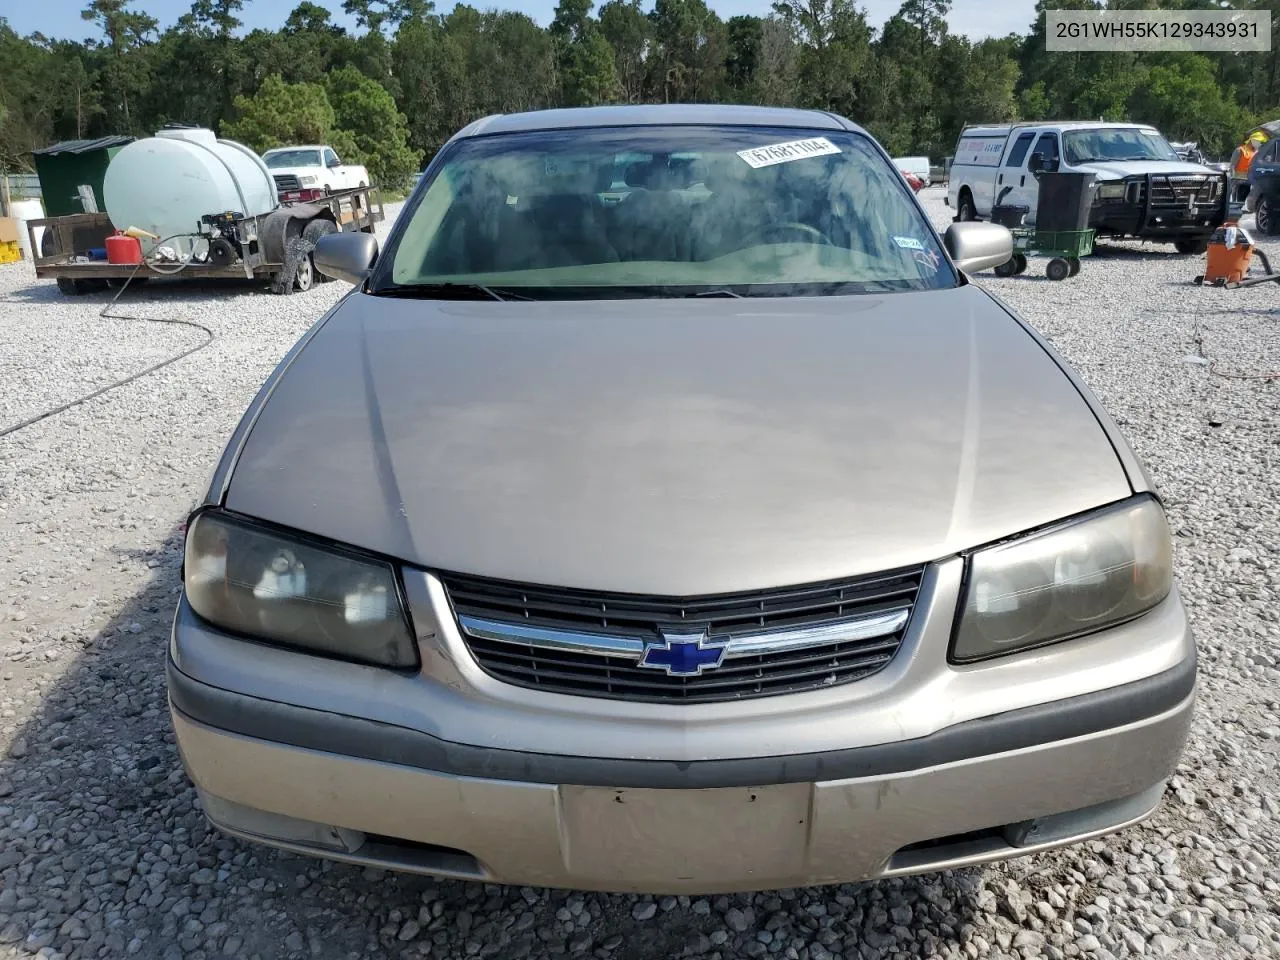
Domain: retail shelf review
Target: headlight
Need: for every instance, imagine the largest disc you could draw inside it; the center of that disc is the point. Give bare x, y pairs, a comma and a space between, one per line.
287, 590
1071, 580
1111, 191
307, 181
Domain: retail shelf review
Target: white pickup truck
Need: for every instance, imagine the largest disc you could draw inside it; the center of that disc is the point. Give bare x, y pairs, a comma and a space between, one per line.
309, 172
1144, 189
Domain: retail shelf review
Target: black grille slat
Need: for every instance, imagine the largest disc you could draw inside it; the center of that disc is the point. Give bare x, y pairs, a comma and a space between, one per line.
678, 688
616, 685
725, 615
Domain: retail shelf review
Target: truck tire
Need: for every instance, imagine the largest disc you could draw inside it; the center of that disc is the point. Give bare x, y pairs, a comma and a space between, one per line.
1192, 245
1264, 217
965, 210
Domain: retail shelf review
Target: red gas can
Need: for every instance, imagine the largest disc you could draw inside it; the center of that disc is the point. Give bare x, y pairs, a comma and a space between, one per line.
122, 249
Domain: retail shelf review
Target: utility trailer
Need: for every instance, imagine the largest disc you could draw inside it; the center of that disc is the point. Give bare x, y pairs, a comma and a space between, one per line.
275, 247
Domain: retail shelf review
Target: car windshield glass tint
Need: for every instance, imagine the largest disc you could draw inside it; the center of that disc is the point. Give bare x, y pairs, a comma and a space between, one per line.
293, 158
666, 211
1085, 146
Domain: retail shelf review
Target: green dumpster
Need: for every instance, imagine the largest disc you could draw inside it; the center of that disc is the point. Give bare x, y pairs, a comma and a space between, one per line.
65, 167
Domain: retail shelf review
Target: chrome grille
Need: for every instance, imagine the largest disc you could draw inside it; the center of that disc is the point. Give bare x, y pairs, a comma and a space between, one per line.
287, 183
776, 641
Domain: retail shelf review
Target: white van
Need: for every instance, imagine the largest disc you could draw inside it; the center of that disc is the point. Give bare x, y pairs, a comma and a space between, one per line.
1143, 188
919, 166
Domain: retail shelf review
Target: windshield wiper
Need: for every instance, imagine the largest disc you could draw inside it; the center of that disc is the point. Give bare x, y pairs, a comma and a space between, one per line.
450, 291
715, 293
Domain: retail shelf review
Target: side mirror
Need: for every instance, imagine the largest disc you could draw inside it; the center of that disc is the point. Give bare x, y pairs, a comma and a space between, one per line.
346, 256
1040, 163
973, 246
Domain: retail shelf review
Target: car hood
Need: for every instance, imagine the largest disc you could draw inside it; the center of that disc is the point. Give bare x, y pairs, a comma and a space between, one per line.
297, 171
1118, 169
673, 447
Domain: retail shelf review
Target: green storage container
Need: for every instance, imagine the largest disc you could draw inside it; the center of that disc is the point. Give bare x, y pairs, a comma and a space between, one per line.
64, 167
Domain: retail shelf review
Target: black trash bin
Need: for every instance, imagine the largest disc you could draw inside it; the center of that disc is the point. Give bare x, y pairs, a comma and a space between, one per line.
1009, 215
1064, 201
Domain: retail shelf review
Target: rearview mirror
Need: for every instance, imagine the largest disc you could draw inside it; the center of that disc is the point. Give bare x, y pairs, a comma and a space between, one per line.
976, 246
346, 256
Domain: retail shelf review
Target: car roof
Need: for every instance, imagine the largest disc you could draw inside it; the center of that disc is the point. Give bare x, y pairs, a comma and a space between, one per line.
656, 115
1004, 128
296, 146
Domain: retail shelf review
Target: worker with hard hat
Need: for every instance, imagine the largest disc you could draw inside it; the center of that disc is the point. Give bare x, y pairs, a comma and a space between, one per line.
1241, 159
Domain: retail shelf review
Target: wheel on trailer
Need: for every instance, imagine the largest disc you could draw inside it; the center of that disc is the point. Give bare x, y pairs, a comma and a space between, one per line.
73, 288
305, 274
1007, 269
1073, 265
1019, 263
313, 231
1192, 245
1058, 269
66, 285
137, 280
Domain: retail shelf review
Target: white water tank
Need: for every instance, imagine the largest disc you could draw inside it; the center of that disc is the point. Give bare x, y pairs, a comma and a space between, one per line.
166, 183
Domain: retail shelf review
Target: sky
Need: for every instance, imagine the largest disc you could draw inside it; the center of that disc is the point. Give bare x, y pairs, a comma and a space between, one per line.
61, 18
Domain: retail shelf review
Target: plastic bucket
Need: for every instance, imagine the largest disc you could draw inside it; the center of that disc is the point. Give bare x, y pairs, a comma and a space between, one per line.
22, 211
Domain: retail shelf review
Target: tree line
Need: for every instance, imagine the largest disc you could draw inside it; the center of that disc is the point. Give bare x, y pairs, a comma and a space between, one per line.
390, 92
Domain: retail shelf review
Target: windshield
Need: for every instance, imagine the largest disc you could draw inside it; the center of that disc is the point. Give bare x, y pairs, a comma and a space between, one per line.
664, 211
1115, 143
292, 158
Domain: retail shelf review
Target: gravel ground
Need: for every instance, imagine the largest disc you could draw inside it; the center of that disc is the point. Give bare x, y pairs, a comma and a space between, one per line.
103, 852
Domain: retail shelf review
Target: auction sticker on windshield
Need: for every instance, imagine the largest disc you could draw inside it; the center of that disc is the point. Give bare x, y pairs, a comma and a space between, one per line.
758, 157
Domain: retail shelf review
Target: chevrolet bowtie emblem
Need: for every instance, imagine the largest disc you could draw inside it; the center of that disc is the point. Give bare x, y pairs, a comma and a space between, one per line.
683, 653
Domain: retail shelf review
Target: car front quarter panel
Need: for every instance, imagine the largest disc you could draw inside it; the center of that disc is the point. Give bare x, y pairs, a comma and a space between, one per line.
221, 476
1136, 472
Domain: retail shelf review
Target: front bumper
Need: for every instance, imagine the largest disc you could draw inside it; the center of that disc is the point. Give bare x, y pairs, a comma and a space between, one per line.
1123, 219
356, 790
449, 771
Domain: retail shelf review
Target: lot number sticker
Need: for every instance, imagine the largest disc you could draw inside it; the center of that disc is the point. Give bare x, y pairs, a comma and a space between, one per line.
758, 157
